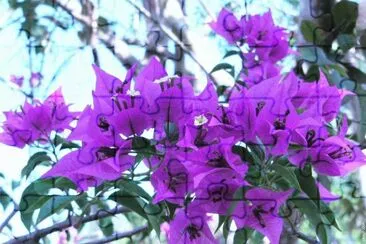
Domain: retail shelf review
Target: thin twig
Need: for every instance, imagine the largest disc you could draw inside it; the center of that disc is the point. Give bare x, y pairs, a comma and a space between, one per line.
173, 37
10, 216
120, 235
71, 221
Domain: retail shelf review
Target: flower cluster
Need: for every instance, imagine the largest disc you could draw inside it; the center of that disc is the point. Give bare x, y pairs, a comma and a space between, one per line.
261, 41
36, 122
190, 149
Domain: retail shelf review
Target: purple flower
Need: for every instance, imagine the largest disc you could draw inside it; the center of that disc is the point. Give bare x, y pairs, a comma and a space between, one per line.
18, 80
35, 79
90, 166
319, 99
190, 227
35, 122
215, 189
228, 26
216, 156
171, 180
261, 213
258, 36
260, 72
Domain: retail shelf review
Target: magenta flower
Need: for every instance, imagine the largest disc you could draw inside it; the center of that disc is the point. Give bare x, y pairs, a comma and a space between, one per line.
228, 26
35, 79
190, 227
261, 213
18, 80
171, 180
90, 166
35, 122
215, 190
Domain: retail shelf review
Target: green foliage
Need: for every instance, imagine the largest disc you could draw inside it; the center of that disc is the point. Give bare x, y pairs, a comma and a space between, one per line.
39, 158
225, 66
36, 196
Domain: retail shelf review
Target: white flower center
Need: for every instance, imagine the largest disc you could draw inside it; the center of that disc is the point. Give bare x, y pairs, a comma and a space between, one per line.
245, 48
132, 92
200, 120
165, 79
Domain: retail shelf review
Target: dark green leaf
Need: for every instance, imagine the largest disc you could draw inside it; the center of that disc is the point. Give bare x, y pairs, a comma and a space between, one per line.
54, 204
39, 158
313, 73
224, 66
346, 41
106, 225
171, 131
288, 174
133, 189
345, 15
242, 235
130, 201
231, 53
64, 143
4, 199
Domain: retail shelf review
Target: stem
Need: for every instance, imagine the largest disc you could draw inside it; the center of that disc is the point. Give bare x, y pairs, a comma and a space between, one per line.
71, 221
120, 235
11, 215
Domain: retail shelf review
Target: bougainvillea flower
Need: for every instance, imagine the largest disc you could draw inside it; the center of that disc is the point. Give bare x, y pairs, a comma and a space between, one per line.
269, 41
35, 79
215, 189
190, 227
276, 116
89, 166
217, 155
18, 80
260, 72
35, 122
319, 99
228, 26
262, 212
337, 156
308, 135
171, 180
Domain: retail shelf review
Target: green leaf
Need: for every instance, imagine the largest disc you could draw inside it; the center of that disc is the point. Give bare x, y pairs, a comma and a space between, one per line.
36, 195
148, 211
39, 158
64, 143
225, 66
133, 189
130, 201
308, 183
106, 225
231, 53
4, 199
171, 131
313, 73
345, 15
242, 235
346, 41
54, 204
287, 173
309, 208
312, 33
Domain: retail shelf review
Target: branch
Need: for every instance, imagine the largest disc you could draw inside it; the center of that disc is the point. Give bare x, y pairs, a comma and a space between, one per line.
300, 235
10, 216
304, 237
108, 38
173, 37
120, 235
71, 221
